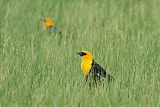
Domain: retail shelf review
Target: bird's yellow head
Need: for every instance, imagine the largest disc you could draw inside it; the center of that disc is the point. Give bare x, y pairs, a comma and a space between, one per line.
86, 55
48, 22
87, 60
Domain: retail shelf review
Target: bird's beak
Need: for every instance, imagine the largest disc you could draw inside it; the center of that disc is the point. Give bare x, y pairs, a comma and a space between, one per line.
79, 53
42, 19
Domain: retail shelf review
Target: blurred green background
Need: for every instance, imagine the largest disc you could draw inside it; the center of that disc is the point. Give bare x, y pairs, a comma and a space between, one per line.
37, 71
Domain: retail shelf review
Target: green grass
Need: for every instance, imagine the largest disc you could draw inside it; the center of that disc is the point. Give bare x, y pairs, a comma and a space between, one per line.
36, 70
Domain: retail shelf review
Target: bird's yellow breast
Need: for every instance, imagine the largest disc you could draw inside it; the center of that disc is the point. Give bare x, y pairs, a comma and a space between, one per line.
86, 66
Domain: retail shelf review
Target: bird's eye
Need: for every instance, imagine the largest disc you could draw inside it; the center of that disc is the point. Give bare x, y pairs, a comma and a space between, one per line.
83, 53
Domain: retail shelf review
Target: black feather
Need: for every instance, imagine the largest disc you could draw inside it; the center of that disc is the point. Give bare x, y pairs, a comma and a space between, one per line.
98, 72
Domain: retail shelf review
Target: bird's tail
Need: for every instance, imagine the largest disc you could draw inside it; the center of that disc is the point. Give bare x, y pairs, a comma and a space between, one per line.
110, 78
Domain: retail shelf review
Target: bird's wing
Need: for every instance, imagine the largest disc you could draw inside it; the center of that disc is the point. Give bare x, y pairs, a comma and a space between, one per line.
98, 71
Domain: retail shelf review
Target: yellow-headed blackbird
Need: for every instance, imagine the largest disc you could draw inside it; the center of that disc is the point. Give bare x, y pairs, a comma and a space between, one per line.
49, 24
89, 66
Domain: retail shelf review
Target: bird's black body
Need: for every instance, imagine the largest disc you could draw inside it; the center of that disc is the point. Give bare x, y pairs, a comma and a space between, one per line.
99, 73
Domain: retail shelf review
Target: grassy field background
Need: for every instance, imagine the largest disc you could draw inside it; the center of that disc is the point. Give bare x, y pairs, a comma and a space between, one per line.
123, 36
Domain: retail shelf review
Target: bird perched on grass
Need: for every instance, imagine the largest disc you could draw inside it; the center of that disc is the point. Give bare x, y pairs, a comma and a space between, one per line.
89, 66
49, 24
